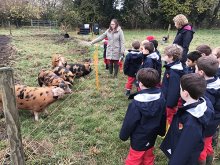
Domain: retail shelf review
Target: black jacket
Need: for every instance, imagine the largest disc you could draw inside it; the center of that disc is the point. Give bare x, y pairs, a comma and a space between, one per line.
183, 38
184, 140
132, 63
142, 122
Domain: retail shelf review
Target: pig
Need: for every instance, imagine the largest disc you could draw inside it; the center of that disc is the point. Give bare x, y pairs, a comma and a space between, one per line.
58, 60
49, 78
64, 73
36, 99
80, 69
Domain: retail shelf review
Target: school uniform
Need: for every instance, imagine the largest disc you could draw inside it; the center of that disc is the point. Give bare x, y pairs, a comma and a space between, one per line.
190, 70
152, 60
142, 123
213, 94
171, 87
132, 64
218, 73
184, 139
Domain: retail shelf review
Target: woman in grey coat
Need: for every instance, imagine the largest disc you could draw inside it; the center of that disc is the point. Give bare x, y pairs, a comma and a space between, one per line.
115, 48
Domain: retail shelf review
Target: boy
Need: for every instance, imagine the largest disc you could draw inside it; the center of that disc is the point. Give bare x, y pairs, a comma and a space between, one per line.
192, 57
207, 66
204, 49
171, 79
150, 58
184, 140
143, 119
132, 64
216, 52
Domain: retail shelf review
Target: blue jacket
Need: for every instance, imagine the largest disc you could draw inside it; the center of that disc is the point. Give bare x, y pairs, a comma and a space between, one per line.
142, 121
184, 140
183, 38
171, 83
213, 94
152, 60
190, 70
132, 63
218, 73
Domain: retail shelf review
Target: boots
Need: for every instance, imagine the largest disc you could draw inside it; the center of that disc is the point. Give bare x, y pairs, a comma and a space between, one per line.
116, 67
106, 66
128, 92
110, 68
209, 159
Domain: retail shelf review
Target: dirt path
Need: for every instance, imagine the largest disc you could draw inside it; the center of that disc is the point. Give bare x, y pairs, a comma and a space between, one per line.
6, 50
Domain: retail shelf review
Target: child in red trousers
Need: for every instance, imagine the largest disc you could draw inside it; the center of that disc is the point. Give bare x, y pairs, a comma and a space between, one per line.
143, 120
132, 64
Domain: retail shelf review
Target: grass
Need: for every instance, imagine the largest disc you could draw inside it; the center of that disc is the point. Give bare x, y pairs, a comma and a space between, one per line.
83, 128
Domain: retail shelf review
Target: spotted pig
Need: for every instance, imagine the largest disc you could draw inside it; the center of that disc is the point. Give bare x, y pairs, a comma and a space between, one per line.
49, 78
36, 99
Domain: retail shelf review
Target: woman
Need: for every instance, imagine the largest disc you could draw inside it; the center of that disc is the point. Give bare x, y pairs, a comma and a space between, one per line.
184, 34
115, 47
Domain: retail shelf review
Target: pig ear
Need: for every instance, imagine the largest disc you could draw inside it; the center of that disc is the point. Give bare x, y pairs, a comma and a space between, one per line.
68, 83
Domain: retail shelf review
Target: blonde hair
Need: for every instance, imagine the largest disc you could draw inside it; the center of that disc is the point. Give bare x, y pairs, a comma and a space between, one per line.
174, 51
181, 20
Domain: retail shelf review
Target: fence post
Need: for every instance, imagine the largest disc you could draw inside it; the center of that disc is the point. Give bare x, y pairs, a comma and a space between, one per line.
11, 116
31, 23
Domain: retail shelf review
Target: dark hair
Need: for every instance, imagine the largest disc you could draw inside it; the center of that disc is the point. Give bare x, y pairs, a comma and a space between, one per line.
174, 51
194, 84
208, 64
116, 24
149, 77
136, 45
204, 49
155, 43
149, 46
194, 56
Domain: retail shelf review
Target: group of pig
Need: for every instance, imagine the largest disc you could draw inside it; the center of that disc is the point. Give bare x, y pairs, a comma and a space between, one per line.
54, 84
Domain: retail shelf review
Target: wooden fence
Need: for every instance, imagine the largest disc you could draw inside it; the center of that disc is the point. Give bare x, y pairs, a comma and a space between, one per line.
7, 91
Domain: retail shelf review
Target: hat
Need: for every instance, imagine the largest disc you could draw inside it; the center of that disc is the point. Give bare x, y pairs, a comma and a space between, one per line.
149, 38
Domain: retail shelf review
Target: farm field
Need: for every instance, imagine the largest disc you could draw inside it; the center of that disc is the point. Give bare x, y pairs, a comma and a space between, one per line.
83, 127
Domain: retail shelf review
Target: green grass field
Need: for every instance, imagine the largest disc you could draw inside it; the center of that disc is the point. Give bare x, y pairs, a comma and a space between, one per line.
83, 127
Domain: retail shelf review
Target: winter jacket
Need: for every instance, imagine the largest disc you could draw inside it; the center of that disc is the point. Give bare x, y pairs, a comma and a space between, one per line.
115, 47
171, 83
142, 121
132, 63
213, 94
190, 70
218, 73
183, 38
184, 140
152, 61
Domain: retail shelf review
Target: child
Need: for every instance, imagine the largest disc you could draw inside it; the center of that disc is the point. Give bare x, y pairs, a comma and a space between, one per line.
150, 58
171, 80
184, 140
104, 53
207, 66
143, 119
132, 64
216, 52
204, 49
192, 57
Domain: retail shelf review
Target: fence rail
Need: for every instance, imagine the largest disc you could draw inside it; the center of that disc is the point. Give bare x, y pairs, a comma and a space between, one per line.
44, 23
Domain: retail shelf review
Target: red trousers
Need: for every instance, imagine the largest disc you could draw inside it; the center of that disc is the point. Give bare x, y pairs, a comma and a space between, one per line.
130, 82
120, 63
170, 113
208, 150
140, 157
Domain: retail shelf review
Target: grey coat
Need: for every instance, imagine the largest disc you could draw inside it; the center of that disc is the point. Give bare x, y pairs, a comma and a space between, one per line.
115, 47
